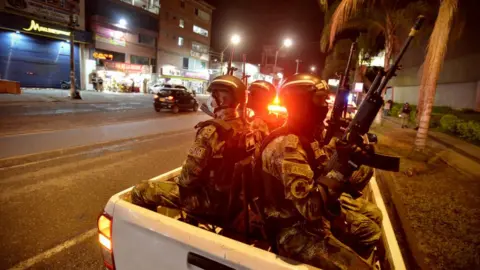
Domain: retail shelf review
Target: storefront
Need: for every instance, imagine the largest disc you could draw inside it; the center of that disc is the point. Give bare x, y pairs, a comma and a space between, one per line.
194, 80
35, 53
122, 77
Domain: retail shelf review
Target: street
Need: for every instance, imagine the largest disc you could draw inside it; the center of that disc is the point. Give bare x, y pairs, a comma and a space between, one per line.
59, 168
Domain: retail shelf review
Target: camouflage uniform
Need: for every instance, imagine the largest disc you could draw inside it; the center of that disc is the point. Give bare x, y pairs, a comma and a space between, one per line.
195, 189
295, 202
257, 123
359, 226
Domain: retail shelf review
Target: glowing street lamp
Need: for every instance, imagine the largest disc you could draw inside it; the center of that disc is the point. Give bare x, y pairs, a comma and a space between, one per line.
313, 68
235, 39
122, 23
287, 43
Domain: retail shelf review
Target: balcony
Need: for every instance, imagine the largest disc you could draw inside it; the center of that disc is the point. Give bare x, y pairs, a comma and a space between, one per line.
152, 6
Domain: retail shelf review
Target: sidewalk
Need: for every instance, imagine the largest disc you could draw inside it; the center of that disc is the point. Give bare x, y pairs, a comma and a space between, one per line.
460, 153
435, 204
58, 95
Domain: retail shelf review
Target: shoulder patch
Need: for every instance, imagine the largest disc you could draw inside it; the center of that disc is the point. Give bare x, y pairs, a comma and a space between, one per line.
297, 169
291, 141
197, 151
300, 189
207, 132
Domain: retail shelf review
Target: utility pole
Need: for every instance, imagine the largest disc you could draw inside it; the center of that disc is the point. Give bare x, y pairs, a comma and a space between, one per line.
298, 64
74, 94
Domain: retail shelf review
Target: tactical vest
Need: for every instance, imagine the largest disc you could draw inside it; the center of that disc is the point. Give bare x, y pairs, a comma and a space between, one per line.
272, 192
239, 145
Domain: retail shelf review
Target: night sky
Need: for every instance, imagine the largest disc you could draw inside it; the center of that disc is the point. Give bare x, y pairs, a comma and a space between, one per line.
265, 22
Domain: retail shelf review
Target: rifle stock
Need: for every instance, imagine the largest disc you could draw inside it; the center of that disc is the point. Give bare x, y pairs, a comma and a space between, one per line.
369, 109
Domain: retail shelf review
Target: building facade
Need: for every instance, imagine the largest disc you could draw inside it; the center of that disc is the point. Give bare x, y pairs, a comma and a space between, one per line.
122, 56
459, 81
35, 41
184, 43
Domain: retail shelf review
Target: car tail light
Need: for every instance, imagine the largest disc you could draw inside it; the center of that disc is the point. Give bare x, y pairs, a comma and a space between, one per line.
105, 238
170, 98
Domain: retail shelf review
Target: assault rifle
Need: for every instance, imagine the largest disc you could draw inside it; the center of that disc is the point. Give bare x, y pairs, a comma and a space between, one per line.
335, 122
367, 112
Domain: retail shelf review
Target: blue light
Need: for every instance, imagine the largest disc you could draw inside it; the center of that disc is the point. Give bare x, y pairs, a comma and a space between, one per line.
17, 32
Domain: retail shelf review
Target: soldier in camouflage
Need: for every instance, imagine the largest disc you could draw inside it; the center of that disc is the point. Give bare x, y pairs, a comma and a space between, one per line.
359, 225
204, 184
261, 94
300, 202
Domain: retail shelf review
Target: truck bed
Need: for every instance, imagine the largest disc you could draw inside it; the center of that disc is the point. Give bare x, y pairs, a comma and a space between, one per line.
144, 239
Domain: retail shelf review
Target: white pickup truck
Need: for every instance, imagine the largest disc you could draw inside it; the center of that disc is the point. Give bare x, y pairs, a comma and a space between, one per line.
134, 238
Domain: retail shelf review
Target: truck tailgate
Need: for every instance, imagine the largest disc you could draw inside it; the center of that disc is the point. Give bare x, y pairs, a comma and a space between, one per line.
143, 239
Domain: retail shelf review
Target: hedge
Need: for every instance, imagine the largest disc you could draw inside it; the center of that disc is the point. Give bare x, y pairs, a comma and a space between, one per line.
468, 130
463, 123
449, 123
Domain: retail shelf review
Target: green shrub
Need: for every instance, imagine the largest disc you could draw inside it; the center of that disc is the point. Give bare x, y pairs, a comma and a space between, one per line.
449, 122
396, 109
413, 113
469, 130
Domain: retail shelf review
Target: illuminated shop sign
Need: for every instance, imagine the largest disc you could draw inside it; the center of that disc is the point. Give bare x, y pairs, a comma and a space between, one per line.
103, 56
35, 27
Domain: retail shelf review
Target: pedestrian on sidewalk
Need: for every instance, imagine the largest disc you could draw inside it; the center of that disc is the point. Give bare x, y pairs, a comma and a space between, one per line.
387, 107
405, 115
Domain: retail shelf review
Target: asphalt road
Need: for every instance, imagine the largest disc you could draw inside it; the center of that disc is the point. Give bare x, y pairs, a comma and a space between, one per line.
47, 116
46, 203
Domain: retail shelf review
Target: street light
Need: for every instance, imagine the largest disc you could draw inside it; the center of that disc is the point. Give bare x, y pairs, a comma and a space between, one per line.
234, 40
287, 43
313, 68
122, 22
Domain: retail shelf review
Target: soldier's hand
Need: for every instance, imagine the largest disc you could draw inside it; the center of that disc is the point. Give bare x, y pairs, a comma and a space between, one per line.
350, 156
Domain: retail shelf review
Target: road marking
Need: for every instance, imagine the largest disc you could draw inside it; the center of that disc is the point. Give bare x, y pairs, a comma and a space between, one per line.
49, 253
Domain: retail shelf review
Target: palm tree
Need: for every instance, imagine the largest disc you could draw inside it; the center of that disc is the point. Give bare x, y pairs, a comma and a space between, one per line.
437, 48
386, 19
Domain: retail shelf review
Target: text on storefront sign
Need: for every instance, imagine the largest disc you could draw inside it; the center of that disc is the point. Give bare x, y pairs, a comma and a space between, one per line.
34, 26
103, 56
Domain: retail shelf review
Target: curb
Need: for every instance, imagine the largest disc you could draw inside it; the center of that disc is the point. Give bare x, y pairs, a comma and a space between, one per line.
412, 256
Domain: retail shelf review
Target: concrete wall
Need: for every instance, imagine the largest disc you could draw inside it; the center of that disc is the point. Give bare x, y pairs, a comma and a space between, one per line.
455, 95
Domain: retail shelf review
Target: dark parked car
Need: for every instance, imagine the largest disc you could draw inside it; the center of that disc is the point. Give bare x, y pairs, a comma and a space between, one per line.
174, 99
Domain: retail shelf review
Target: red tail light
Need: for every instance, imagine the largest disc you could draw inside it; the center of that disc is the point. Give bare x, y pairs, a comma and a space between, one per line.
170, 98
105, 238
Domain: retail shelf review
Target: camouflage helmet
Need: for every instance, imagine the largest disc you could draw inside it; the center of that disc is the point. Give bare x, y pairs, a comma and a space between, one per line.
261, 93
304, 85
235, 86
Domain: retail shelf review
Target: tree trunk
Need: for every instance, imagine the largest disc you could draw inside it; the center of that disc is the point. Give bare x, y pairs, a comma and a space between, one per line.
437, 48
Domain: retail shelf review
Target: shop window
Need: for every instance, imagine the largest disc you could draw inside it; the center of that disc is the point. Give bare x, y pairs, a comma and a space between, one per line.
139, 60
181, 23
147, 40
180, 41
200, 31
182, 3
185, 63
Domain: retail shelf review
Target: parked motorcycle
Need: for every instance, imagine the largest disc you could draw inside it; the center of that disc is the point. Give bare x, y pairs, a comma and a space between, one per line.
66, 85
